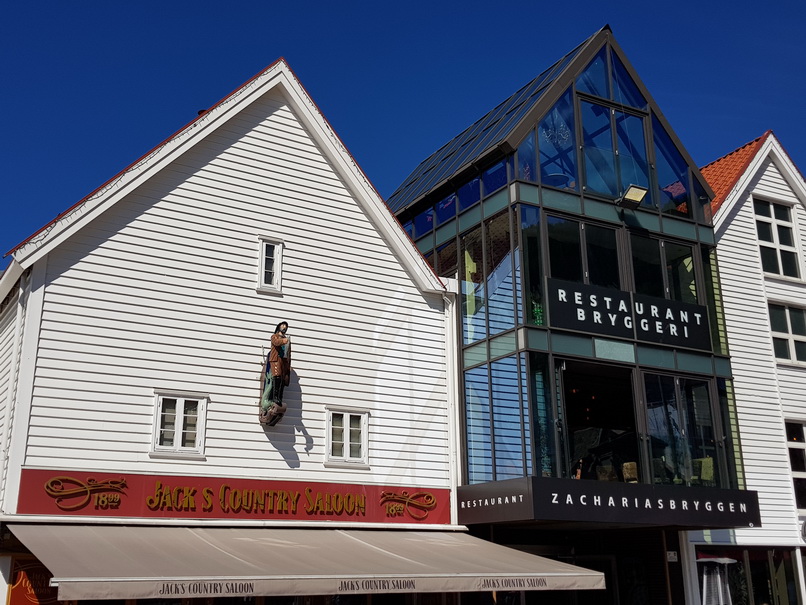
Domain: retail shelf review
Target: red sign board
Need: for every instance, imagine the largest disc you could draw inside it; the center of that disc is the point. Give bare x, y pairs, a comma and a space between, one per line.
52, 492
30, 583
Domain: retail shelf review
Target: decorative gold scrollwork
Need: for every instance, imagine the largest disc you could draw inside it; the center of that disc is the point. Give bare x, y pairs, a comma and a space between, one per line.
417, 505
62, 489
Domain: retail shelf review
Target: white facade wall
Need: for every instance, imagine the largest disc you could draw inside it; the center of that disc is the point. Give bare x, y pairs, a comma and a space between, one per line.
767, 392
9, 345
159, 292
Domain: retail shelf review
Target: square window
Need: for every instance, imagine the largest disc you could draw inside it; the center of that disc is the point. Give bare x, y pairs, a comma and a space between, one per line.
347, 437
179, 424
270, 271
788, 325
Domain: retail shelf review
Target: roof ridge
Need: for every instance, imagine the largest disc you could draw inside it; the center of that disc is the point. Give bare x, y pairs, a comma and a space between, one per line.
723, 173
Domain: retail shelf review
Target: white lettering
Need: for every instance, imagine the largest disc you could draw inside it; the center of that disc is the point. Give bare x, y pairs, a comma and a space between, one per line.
720, 507
659, 327
581, 314
597, 500
597, 317
569, 499
607, 300
708, 506
644, 323
653, 310
742, 508
554, 498
673, 329
684, 316
669, 314
583, 500
622, 306
578, 298
561, 295
698, 317
628, 322
684, 504
592, 298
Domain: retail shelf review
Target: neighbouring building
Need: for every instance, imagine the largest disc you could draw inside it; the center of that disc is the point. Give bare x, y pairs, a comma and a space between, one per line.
598, 408
133, 334
760, 221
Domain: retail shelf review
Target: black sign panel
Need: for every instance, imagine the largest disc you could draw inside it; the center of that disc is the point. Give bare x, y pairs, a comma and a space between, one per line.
612, 312
607, 502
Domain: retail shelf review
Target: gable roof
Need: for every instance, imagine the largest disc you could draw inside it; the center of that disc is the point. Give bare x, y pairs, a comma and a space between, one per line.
277, 76
498, 132
723, 173
732, 173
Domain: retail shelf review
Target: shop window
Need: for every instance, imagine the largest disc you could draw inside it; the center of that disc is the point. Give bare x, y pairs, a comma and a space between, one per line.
477, 426
788, 325
601, 433
499, 276
681, 431
474, 316
347, 436
776, 238
532, 267
271, 257
494, 177
179, 424
672, 173
469, 194
527, 158
557, 145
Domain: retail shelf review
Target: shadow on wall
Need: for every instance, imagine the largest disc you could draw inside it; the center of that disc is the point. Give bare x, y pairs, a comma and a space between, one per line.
283, 435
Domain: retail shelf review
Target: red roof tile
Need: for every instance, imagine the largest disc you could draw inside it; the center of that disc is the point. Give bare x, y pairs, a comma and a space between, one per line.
723, 174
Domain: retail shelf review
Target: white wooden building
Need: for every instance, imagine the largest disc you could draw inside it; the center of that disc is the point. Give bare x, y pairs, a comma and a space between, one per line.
133, 331
760, 225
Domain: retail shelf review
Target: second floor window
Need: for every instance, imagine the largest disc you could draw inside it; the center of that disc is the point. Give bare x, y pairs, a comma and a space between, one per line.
179, 426
776, 238
271, 257
347, 439
788, 326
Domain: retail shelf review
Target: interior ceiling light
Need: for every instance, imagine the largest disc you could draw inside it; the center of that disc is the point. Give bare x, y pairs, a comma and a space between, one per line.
633, 197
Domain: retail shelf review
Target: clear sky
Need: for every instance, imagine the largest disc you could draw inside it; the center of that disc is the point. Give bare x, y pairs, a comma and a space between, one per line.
88, 86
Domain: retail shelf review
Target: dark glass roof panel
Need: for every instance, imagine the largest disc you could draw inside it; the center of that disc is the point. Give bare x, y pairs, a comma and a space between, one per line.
624, 89
594, 79
483, 135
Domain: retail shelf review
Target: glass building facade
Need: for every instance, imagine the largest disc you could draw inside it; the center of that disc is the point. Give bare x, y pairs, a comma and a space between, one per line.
594, 370
630, 381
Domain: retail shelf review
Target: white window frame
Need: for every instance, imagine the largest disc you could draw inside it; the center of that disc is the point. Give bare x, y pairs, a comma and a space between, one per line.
332, 459
788, 336
275, 287
796, 445
176, 450
776, 245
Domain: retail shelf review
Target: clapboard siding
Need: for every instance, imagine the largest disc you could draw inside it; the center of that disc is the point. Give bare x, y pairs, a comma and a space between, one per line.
757, 378
8, 342
159, 292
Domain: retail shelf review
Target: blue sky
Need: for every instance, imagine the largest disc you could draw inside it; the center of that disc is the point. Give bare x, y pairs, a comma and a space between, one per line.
91, 85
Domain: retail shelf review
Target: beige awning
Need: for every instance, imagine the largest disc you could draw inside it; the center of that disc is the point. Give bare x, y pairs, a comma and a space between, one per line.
128, 562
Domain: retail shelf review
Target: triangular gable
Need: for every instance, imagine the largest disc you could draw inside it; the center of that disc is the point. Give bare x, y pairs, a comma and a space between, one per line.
450, 164
733, 173
277, 76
